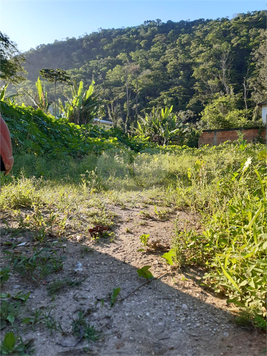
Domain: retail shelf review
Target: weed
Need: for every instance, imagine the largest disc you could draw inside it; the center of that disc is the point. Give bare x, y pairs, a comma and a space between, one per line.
4, 274
20, 194
58, 285
43, 224
145, 214
144, 272
37, 317
169, 256
13, 345
162, 214
51, 323
9, 311
83, 330
85, 250
144, 239
11, 307
36, 266
246, 318
114, 295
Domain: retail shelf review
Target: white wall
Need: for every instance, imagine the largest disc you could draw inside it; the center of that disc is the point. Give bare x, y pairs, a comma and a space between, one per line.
264, 114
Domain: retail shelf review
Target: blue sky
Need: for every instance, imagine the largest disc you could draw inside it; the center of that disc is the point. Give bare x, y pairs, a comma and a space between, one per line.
30, 23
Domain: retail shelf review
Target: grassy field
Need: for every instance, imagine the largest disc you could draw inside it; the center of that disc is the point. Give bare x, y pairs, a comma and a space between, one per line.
225, 185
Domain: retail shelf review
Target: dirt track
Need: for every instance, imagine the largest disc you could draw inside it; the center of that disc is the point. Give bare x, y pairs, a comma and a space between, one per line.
171, 315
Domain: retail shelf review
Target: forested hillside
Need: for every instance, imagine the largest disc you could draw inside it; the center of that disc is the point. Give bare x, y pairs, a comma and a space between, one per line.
187, 64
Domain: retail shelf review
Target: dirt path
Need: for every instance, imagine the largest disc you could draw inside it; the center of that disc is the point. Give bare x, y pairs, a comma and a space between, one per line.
171, 315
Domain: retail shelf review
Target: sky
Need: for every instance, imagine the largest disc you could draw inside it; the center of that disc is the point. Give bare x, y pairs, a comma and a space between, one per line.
30, 23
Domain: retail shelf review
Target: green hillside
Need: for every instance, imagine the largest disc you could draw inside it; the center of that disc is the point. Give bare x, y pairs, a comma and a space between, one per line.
184, 64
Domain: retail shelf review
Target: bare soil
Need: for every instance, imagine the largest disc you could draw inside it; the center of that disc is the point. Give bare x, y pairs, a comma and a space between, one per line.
170, 315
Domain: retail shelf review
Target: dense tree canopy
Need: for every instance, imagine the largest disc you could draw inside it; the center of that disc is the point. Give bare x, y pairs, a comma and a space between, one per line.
10, 61
185, 64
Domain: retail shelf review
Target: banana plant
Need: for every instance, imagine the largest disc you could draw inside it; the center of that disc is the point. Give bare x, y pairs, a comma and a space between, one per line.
83, 106
40, 99
7, 99
161, 125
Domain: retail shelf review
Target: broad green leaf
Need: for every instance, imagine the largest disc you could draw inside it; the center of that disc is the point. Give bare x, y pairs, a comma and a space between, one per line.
39, 89
11, 318
3, 91
244, 283
80, 90
144, 272
261, 208
252, 284
90, 90
168, 256
21, 296
9, 342
227, 275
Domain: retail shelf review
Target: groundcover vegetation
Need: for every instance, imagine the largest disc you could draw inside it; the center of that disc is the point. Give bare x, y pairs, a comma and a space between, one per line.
62, 163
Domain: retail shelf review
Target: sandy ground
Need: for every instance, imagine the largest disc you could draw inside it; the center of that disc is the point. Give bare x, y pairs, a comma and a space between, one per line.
169, 315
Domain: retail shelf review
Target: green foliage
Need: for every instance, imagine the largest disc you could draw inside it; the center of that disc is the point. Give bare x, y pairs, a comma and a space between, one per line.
181, 64
161, 126
37, 265
13, 345
58, 285
145, 273
114, 295
24, 195
144, 239
83, 330
11, 307
225, 185
53, 76
222, 113
9, 312
169, 256
82, 108
10, 61
32, 131
233, 244
4, 274
8, 99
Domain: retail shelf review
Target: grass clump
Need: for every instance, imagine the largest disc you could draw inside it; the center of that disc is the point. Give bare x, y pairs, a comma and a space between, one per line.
58, 285
233, 245
35, 265
83, 330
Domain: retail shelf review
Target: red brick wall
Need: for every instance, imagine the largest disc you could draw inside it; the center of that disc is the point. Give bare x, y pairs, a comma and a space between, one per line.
217, 137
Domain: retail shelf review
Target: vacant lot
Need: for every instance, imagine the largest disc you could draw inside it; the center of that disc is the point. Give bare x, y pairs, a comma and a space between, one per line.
120, 256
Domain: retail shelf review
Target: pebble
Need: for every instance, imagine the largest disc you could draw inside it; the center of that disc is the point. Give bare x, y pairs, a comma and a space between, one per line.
226, 334
78, 267
184, 306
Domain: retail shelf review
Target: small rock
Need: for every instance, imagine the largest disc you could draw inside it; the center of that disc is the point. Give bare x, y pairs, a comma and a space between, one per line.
184, 306
226, 334
21, 244
78, 267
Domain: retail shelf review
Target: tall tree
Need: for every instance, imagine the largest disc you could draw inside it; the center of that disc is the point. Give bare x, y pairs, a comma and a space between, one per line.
10, 61
54, 76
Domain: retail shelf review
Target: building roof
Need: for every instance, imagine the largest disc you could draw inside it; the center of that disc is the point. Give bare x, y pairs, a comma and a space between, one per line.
263, 103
